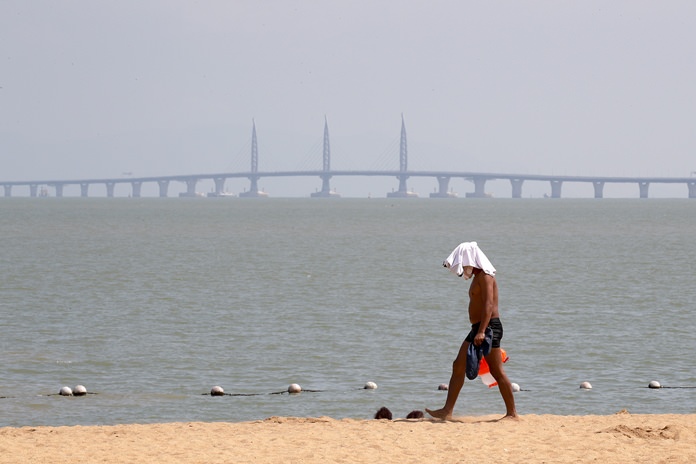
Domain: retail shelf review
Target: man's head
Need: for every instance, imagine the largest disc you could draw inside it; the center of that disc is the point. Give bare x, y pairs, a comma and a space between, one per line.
466, 257
468, 272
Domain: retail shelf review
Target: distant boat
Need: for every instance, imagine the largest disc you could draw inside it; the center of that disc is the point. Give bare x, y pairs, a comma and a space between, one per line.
191, 195
220, 194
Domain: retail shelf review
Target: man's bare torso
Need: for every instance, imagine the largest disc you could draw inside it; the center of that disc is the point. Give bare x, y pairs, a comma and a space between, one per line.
483, 293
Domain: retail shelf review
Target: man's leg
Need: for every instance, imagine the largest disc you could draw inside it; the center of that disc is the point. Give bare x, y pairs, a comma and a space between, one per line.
455, 385
495, 363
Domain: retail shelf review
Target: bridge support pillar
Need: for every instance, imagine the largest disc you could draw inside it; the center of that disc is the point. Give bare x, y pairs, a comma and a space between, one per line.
163, 188
253, 189
33, 189
402, 184
643, 187
692, 189
219, 185
110, 189
325, 191
136, 188
403, 190
325, 185
8, 190
556, 188
84, 188
191, 187
479, 188
598, 189
59, 190
443, 186
516, 187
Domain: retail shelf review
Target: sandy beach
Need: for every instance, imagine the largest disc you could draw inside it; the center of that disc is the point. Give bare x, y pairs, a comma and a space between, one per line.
620, 437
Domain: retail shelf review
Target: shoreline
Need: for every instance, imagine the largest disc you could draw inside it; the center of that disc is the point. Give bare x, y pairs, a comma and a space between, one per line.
619, 437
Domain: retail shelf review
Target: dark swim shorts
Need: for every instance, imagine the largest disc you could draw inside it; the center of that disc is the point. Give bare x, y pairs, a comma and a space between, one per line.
496, 327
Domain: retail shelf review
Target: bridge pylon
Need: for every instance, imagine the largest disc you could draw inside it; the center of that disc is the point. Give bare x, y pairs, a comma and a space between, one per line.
325, 191
253, 188
403, 167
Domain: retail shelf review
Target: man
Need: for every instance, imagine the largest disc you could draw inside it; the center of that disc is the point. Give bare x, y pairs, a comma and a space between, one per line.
465, 261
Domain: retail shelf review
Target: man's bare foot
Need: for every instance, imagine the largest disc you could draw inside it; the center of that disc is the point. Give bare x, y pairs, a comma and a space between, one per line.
510, 417
439, 414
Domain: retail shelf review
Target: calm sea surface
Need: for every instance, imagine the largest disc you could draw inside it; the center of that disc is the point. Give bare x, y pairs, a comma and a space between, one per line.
151, 302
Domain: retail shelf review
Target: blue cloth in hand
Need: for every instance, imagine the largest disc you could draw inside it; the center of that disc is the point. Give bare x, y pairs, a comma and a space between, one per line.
475, 353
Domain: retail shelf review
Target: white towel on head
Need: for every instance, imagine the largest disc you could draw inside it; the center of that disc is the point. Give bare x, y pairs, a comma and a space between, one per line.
468, 254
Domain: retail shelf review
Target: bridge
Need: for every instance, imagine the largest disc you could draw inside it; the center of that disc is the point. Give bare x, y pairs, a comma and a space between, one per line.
442, 178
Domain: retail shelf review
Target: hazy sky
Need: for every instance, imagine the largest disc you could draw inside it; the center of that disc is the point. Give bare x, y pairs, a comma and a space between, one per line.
96, 89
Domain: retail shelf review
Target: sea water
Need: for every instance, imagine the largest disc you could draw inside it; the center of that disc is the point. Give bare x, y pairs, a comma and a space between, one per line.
150, 302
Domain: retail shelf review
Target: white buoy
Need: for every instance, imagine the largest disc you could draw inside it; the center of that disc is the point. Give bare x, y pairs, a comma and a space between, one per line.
515, 387
654, 384
217, 390
65, 391
294, 388
79, 390
586, 386
443, 386
370, 386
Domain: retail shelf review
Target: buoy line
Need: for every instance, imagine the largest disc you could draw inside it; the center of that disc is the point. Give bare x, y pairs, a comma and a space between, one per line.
665, 387
294, 389
259, 394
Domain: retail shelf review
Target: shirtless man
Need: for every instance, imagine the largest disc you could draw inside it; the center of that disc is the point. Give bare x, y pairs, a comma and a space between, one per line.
467, 260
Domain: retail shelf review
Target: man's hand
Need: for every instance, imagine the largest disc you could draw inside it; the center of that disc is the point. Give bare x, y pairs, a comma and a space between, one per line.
479, 338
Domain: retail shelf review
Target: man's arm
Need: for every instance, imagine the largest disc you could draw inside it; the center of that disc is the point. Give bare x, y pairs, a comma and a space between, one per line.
487, 287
